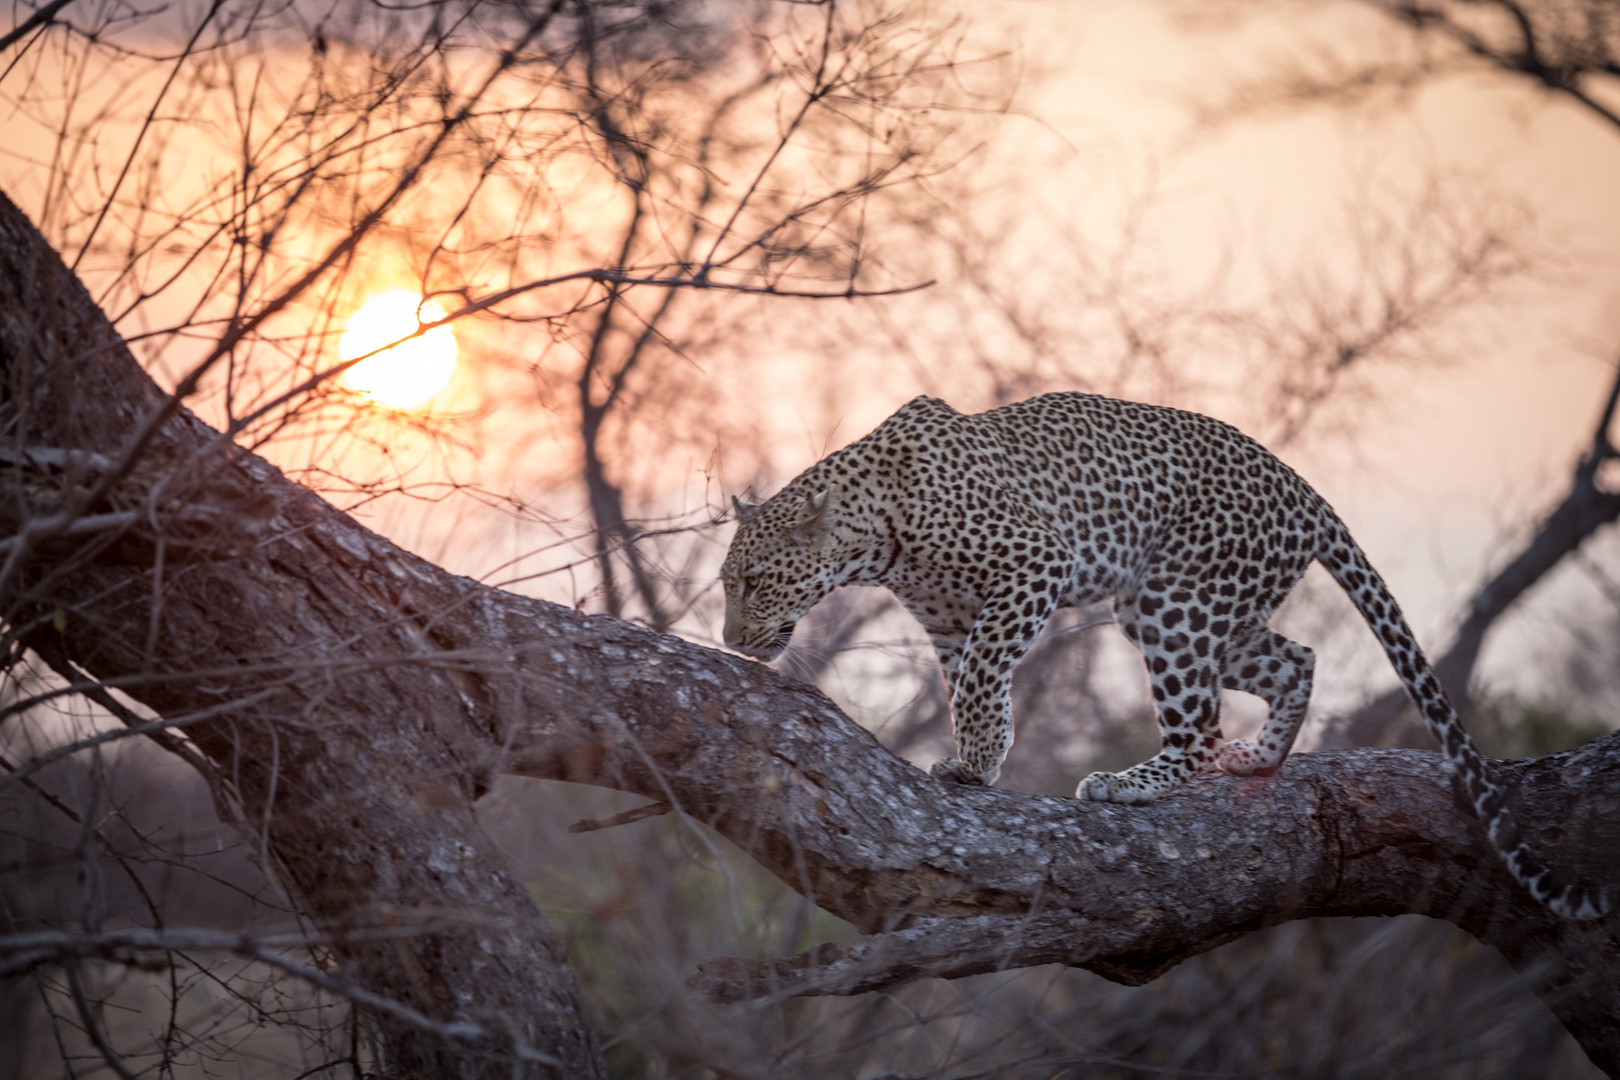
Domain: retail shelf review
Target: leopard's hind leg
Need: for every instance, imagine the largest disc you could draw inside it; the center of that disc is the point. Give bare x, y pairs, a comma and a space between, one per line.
1278, 671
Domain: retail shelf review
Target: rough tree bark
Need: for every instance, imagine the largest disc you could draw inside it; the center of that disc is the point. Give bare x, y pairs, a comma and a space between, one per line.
202, 583
358, 696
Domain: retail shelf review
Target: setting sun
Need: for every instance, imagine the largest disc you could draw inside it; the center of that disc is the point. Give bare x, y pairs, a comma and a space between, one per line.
407, 375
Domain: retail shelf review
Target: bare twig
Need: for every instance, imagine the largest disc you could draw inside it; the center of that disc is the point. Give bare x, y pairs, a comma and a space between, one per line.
41, 16
20, 953
624, 817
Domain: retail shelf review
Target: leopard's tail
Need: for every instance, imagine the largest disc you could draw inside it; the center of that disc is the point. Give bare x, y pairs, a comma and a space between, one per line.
1344, 559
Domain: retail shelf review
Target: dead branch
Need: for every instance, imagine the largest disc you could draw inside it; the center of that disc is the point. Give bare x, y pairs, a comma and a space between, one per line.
635, 813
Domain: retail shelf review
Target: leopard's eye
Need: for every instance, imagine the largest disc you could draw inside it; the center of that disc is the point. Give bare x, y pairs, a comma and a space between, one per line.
750, 584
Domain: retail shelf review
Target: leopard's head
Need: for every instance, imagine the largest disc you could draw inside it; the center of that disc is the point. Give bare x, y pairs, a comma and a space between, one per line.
788, 553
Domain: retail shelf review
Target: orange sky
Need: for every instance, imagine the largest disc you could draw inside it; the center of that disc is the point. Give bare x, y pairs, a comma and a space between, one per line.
1440, 474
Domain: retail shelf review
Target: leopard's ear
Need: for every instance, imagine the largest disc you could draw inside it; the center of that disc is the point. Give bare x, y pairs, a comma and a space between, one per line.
745, 511
815, 505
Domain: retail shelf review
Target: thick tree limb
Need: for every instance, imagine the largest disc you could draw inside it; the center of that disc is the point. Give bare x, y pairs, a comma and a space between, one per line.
1373, 792
980, 879
352, 767
375, 693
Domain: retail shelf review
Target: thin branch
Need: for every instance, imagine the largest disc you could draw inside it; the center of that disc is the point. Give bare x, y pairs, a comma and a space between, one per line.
1527, 61
146, 125
150, 727
149, 426
20, 953
40, 17
625, 817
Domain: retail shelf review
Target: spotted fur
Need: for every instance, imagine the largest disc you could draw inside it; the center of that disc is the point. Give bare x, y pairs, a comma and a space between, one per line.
984, 525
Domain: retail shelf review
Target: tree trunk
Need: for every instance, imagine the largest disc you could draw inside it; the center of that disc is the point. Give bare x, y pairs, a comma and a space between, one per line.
202, 583
359, 696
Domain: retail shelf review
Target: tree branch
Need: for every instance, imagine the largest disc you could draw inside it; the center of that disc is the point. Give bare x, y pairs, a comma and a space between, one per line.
1584, 509
24, 952
1525, 57
41, 16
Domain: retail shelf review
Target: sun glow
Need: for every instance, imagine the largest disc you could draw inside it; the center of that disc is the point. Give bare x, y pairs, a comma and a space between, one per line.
407, 375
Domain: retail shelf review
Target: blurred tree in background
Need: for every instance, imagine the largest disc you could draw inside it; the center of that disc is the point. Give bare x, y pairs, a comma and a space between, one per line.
686, 249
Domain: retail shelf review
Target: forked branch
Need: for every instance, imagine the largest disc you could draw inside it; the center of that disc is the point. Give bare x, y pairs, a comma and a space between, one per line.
1585, 508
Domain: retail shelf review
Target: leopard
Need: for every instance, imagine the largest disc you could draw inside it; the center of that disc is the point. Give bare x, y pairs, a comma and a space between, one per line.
983, 525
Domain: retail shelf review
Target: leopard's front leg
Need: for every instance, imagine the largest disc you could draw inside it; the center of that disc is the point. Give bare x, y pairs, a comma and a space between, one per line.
980, 686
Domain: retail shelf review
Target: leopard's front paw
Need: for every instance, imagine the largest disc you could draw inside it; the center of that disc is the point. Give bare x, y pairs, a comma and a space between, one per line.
1113, 788
957, 771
